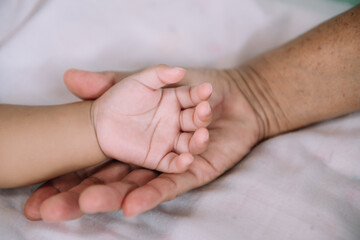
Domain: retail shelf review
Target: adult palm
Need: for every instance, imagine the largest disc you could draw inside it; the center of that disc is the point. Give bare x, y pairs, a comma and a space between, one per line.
113, 186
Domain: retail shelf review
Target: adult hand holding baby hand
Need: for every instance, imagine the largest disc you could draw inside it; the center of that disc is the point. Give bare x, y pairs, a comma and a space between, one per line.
312, 78
115, 185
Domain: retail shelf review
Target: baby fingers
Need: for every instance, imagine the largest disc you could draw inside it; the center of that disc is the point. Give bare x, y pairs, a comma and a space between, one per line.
186, 146
191, 96
195, 118
195, 143
174, 163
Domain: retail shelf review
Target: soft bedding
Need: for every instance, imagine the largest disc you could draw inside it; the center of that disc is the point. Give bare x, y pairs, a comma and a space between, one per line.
300, 185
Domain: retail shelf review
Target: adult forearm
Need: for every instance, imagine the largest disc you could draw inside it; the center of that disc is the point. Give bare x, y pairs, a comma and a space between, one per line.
41, 142
312, 78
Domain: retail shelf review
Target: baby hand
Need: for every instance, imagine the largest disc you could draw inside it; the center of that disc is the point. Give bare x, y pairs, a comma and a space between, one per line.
139, 122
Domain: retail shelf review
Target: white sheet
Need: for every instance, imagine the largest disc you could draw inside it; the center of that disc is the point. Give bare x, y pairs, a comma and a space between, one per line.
301, 185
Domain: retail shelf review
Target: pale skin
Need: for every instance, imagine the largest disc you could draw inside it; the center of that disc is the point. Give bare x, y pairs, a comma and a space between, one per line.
135, 121
311, 79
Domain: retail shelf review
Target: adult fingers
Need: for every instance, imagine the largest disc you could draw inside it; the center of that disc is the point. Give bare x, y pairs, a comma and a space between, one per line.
91, 85
47, 190
108, 197
56, 186
168, 186
65, 205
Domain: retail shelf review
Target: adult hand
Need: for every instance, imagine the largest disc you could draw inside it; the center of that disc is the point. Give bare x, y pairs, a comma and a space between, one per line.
234, 131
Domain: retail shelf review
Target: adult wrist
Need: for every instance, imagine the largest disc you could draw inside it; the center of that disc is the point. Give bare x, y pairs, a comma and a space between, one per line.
255, 85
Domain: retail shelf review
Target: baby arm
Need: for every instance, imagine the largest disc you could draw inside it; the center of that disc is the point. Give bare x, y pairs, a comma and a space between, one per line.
136, 122
41, 142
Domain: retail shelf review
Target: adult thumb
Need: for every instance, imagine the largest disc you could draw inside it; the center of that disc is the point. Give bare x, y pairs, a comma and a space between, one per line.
91, 85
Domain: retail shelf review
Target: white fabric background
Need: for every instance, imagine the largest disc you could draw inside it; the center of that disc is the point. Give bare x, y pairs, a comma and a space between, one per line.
301, 185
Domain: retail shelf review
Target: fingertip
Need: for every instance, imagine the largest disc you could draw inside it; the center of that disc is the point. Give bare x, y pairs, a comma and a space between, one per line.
179, 164
199, 141
32, 215
205, 91
69, 72
131, 207
141, 200
184, 161
51, 212
131, 212
99, 198
86, 84
32, 205
180, 72
89, 200
202, 136
171, 75
68, 78
61, 207
204, 109
204, 132
32, 210
72, 76
203, 114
